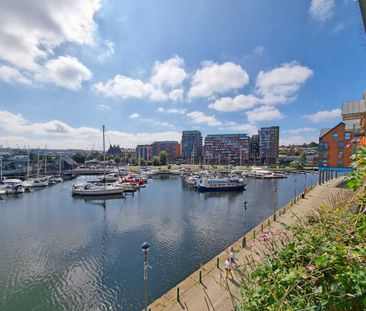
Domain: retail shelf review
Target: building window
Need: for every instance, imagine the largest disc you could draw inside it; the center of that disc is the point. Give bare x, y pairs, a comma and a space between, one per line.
323, 145
335, 135
347, 135
340, 154
340, 163
340, 145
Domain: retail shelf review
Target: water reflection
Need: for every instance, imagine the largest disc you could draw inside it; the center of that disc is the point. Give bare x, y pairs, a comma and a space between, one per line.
63, 253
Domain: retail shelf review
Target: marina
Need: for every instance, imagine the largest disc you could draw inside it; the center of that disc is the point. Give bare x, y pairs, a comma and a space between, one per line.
62, 252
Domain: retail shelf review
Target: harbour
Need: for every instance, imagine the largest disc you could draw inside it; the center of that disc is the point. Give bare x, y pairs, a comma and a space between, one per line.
60, 252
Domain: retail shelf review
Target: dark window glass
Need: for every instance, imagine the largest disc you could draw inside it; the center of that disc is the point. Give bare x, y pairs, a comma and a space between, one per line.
341, 145
335, 136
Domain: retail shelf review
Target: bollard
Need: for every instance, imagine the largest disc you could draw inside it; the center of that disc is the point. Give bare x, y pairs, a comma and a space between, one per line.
269, 222
253, 234
261, 227
178, 298
274, 217
244, 242
218, 262
200, 276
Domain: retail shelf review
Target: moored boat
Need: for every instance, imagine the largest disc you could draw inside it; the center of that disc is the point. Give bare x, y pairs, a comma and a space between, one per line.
221, 184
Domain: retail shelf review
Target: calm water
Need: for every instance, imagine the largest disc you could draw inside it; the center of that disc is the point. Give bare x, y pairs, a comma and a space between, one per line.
62, 253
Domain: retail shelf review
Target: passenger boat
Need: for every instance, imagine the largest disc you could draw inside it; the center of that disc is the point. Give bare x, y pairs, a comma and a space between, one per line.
221, 184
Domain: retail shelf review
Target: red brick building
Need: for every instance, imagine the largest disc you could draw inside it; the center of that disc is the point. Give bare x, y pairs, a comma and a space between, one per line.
335, 147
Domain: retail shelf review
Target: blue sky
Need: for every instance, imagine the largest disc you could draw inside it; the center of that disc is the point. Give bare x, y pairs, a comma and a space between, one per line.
150, 69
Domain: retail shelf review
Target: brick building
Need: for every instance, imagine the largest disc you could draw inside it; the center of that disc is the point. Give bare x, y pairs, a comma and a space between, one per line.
227, 149
172, 148
335, 147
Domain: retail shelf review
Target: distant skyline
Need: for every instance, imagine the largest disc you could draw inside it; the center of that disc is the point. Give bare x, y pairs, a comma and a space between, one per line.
150, 69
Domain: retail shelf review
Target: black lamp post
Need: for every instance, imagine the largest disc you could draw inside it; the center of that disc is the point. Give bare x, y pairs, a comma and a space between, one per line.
145, 248
295, 187
275, 203
244, 242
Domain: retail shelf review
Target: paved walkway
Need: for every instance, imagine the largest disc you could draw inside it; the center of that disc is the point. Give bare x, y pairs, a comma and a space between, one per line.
217, 293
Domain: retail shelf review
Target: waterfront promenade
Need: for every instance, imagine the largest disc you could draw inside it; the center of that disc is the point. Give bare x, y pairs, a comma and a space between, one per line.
208, 289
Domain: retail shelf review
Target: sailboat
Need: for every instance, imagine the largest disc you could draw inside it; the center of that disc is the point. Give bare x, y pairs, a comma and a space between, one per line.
37, 181
98, 189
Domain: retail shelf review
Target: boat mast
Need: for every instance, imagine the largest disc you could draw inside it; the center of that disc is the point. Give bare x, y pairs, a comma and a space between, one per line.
28, 164
45, 163
1, 165
38, 163
60, 166
104, 155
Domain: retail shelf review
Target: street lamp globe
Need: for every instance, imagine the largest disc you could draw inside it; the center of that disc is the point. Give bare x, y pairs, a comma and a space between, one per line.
145, 247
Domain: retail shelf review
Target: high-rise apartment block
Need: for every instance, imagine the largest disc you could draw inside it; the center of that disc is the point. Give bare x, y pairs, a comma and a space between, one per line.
227, 149
268, 144
254, 148
192, 146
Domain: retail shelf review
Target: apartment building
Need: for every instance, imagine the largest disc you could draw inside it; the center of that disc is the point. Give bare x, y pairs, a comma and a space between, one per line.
227, 149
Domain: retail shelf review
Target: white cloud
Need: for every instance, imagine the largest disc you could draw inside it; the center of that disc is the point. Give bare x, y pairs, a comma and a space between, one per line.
324, 115
198, 117
12, 75
280, 84
57, 134
65, 71
240, 102
169, 74
249, 129
264, 113
165, 83
171, 110
31, 30
103, 107
134, 116
124, 87
321, 10
259, 50
108, 52
176, 95
213, 78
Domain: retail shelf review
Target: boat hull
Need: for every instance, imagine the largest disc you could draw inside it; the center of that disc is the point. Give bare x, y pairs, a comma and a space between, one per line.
97, 192
215, 189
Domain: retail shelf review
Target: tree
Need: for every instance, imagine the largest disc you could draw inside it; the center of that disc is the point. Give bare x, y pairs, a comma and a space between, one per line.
78, 157
296, 165
163, 156
313, 145
156, 161
303, 158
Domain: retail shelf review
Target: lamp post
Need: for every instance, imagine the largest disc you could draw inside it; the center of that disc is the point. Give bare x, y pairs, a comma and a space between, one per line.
145, 248
275, 206
244, 242
295, 187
